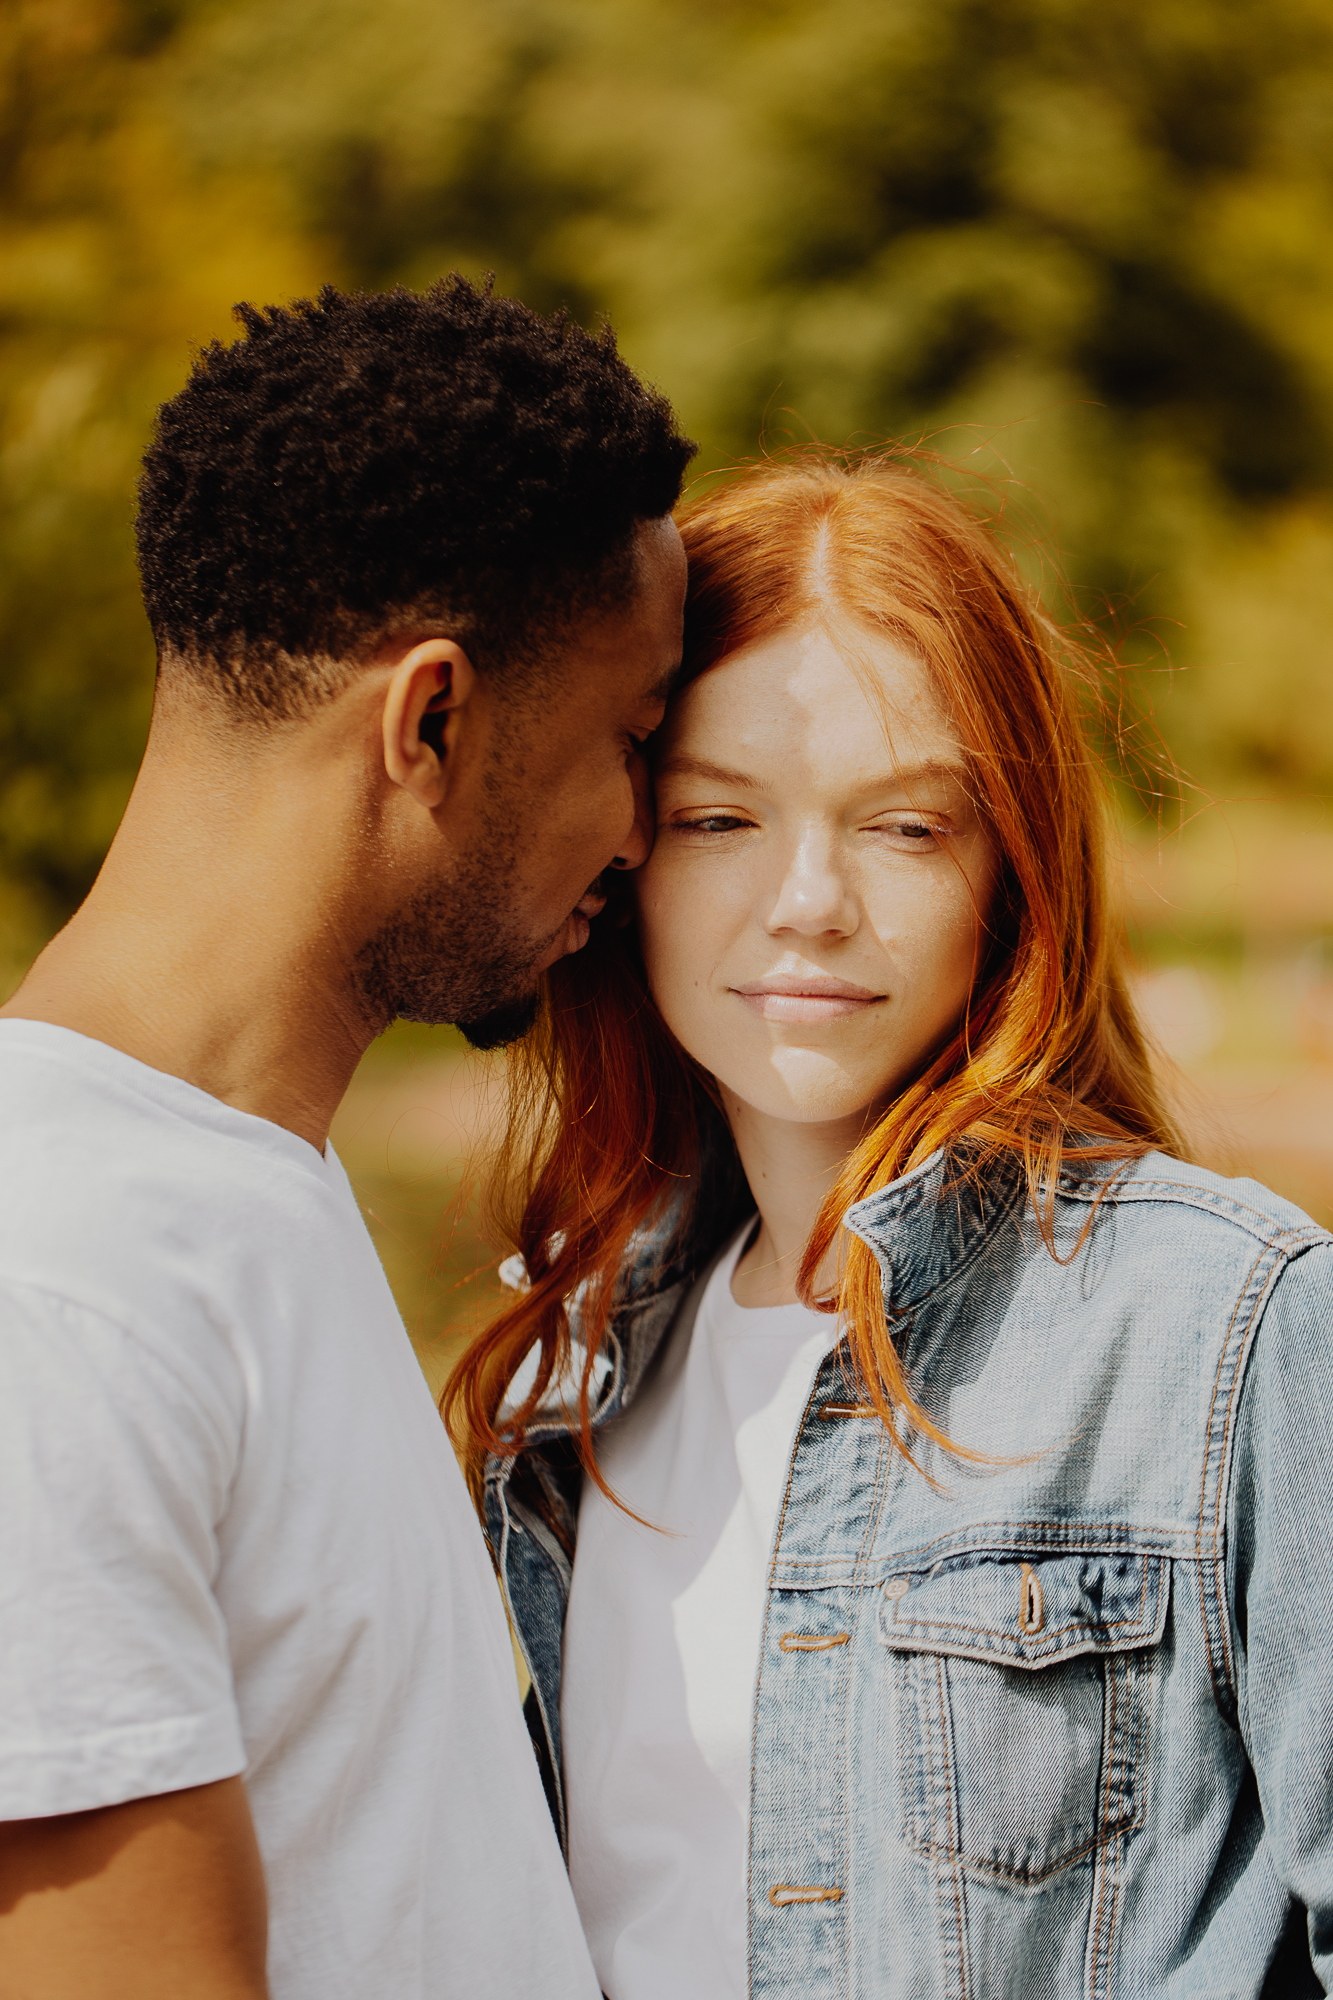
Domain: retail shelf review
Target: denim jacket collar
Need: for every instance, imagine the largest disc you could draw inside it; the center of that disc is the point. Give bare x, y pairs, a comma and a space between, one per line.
923, 1229
930, 1224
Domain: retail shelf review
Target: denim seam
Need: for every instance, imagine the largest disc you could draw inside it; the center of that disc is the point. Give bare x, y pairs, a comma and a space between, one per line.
1005, 1637
974, 1865
1105, 1868
931, 1648
926, 1734
1216, 1445
843, 1666
1101, 1839
770, 1586
1087, 1532
1194, 1195
883, 1471
953, 1851
1011, 1526
1109, 1687
1137, 1760
1090, 1541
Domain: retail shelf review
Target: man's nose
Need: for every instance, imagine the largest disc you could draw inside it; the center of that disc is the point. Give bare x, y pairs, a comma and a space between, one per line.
814, 896
638, 843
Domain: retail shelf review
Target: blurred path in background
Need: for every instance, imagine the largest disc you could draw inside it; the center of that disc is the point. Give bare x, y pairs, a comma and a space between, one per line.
413, 1133
1233, 926
1268, 1110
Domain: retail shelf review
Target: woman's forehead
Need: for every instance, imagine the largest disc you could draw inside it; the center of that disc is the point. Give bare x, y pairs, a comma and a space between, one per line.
815, 691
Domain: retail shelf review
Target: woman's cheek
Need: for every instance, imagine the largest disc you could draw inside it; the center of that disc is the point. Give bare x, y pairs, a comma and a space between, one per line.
677, 969
663, 940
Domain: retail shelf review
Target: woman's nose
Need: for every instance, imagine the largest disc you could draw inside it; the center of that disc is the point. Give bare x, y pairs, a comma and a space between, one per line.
814, 896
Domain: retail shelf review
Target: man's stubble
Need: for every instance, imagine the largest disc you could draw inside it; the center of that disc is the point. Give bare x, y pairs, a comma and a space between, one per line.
455, 954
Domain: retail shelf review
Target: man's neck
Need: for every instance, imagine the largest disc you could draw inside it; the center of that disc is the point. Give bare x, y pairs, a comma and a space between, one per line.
198, 952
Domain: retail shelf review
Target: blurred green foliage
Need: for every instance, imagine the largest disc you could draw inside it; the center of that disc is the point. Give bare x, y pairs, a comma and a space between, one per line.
1084, 250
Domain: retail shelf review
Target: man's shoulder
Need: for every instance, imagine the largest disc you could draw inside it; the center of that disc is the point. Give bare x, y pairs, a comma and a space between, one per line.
75, 1114
131, 1193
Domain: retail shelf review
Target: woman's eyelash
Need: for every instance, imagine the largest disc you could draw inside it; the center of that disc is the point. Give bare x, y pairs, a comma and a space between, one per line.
918, 831
712, 823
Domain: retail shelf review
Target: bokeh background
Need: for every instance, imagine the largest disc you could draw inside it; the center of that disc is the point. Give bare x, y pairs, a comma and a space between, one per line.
1085, 250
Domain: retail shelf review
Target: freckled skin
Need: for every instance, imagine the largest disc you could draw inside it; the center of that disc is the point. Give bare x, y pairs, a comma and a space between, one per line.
831, 863
814, 824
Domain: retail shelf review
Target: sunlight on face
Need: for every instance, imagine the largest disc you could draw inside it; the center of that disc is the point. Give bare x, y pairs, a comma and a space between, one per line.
810, 911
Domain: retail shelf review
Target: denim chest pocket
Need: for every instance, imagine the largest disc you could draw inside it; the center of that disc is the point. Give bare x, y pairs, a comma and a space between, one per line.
1022, 1684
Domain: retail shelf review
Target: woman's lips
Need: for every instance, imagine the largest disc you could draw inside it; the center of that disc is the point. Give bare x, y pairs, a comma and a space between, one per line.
785, 998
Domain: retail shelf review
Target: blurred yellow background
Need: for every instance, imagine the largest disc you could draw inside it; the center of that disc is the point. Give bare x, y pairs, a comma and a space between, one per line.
1086, 251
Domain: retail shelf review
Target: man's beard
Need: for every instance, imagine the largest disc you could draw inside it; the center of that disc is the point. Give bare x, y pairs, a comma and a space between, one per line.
453, 954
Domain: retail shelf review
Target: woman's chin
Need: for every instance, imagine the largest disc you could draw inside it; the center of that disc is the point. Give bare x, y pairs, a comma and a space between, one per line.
811, 1092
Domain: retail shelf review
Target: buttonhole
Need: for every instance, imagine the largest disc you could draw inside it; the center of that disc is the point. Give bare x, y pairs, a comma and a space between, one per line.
1031, 1612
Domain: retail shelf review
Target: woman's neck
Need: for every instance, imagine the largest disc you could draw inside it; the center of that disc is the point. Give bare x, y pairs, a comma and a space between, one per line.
790, 1167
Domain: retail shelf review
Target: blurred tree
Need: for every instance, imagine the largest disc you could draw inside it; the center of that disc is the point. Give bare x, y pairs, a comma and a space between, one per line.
1084, 250
115, 258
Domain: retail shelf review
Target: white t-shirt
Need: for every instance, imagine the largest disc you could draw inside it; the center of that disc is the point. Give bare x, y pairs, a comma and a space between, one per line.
662, 1644
235, 1539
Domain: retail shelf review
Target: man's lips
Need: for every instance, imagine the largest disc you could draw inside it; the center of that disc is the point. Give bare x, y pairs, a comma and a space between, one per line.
813, 996
573, 934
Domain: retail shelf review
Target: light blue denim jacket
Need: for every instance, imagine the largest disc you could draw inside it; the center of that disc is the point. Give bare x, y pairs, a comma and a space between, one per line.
1061, 1727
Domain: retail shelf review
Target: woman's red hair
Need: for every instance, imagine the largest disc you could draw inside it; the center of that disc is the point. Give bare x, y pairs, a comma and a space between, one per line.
1049, 1058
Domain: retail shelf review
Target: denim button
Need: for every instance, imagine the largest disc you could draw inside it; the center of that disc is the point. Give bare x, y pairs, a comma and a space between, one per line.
897, 1586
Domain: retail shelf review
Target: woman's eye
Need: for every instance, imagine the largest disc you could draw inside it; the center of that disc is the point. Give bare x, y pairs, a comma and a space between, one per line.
913, 832
712, 823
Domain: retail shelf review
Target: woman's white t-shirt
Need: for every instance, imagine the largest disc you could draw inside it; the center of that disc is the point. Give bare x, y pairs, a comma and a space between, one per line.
236, 1540
662, 1644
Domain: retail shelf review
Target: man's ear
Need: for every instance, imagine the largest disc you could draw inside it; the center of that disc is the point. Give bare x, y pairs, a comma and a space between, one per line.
430, 685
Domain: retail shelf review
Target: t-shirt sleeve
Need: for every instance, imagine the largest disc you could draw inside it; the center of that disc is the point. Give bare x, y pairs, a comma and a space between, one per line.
115, 1676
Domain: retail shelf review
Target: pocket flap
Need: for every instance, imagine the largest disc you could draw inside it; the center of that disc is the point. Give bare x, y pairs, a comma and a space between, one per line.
1027, 1609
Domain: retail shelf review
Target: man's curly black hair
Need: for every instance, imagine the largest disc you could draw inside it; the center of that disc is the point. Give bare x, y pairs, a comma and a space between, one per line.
364, 462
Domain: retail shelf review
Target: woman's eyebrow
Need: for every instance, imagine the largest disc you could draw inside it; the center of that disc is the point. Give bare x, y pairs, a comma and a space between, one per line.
716, 774
931, 767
